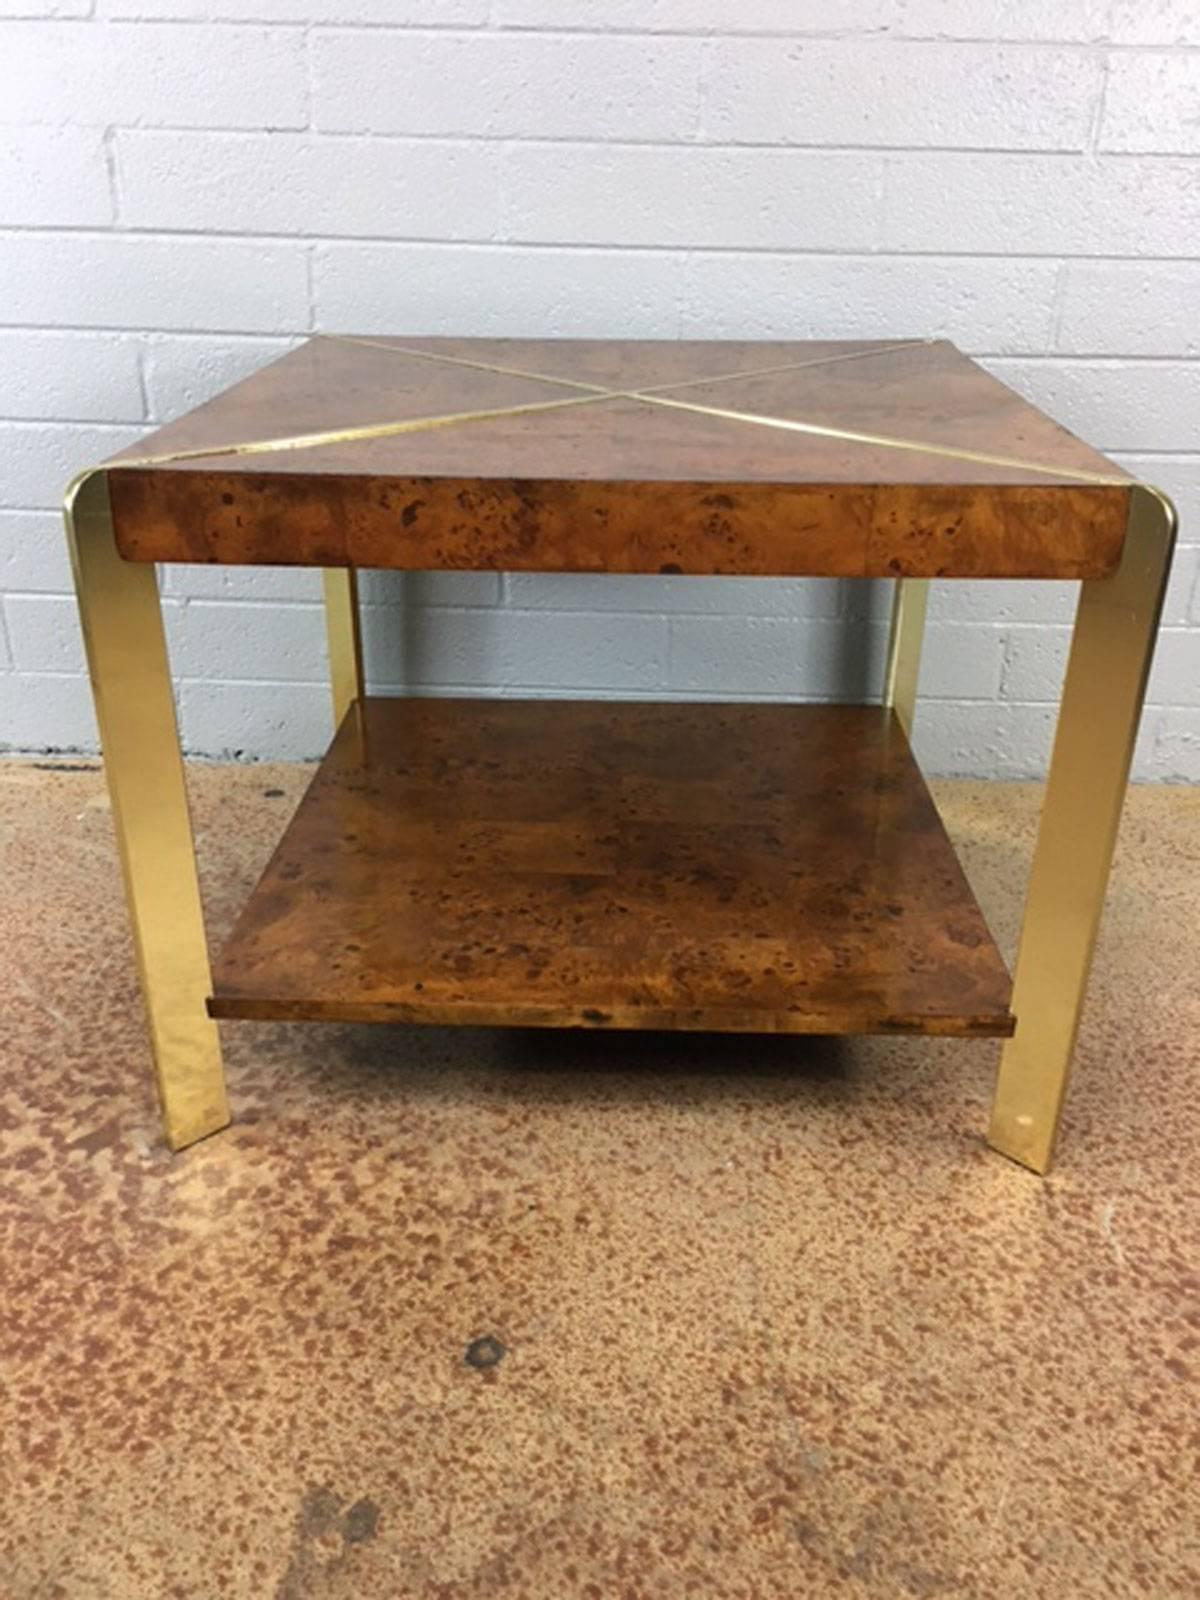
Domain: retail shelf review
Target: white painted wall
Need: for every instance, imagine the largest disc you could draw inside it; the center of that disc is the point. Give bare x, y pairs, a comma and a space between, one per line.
187, 186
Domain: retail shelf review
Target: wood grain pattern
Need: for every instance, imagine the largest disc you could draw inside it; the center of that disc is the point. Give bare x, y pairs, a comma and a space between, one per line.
704, 529
621, 483
728, 867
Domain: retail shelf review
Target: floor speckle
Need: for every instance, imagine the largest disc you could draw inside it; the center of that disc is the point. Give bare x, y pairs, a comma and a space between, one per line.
774, 1321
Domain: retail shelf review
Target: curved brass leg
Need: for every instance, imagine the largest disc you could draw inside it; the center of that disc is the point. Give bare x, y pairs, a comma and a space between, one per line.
904, 649
131, 682
344, 637
1111, 651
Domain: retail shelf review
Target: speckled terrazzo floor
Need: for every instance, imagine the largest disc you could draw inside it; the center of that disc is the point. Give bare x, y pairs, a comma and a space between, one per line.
770, 1319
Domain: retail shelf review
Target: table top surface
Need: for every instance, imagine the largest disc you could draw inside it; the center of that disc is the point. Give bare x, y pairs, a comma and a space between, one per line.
829, 459
892, 412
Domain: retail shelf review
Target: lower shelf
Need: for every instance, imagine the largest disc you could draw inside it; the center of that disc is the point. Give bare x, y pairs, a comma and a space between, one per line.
735, 867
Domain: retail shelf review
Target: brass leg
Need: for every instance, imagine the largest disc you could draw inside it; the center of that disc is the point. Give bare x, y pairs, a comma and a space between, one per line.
345, 639
131, 682
1115, 628
904, 648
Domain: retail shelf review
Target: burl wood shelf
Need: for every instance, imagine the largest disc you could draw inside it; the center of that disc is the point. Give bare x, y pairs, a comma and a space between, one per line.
736, 867
688, 866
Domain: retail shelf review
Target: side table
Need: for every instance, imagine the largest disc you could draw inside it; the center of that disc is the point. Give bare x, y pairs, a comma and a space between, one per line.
608, 864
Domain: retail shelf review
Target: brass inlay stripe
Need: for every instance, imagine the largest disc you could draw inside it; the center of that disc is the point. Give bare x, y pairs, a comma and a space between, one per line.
465, 361
793, 366
371, 430
884, 441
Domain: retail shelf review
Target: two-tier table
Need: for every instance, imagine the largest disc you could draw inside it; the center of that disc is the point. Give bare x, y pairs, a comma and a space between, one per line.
621, 865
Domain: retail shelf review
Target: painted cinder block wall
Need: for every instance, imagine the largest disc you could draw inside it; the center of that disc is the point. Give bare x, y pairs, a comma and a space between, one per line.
189, 186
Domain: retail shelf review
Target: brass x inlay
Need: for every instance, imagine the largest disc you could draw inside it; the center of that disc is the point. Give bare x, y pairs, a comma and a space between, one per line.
592, 393
621, 394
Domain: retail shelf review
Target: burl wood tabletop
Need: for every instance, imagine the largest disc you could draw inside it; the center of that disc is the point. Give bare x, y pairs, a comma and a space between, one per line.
901, 458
